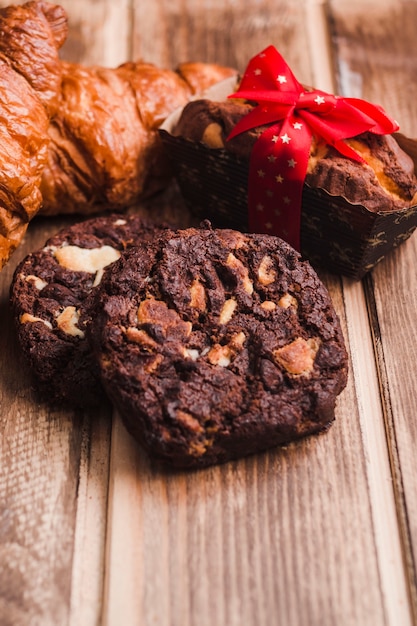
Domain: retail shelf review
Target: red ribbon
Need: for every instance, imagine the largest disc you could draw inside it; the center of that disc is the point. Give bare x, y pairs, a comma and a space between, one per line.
279, 158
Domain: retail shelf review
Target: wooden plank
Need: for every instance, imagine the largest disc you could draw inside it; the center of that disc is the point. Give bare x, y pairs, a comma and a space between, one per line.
217, 31
290, 535
54, 464
273, 535
376, 57
99, 32
384, 502
395, 347
372, 69
42, 457
91, 521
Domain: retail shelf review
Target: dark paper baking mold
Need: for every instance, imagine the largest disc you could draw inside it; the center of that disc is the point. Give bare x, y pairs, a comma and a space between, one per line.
341, 237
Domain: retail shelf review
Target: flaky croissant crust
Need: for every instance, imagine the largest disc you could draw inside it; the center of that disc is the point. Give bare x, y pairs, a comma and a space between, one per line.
111, 156
30, 79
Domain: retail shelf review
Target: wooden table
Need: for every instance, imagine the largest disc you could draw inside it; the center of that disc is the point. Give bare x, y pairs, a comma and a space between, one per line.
319, 533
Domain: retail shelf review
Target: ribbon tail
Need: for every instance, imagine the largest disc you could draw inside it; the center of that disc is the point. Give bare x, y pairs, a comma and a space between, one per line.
277, 171
347, 151
383, 124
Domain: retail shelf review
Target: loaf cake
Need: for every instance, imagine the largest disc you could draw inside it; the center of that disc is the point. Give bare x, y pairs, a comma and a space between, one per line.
213, 345
385, 183
360, 210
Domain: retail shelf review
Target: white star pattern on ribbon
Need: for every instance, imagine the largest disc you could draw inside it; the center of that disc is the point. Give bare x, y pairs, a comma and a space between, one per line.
258, 72
292, 163
279, 178
286, 200
285, 138
319, 100
259, 207
275, 138
261, 173
297, 126
268, 225
281, 78
272, 158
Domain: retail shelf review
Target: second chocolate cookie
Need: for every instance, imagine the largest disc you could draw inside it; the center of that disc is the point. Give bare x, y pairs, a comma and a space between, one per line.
48, 296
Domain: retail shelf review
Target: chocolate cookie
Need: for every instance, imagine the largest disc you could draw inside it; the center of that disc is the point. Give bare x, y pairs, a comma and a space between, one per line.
48, 297
214, 345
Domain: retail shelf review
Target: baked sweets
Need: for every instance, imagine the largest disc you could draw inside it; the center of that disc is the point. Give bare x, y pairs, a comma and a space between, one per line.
49, 295
386, 183
213, 345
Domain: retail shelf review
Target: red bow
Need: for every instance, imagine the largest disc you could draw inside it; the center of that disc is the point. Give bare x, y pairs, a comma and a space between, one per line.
279, 158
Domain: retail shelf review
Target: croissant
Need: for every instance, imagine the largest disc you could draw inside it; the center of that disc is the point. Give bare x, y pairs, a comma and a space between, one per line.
77, 139
105, 151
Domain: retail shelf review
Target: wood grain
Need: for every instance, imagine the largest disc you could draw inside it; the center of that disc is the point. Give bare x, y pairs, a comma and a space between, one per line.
41, 459
98, 32
218, 31
314, 533
372, 69
376, 58
225, 545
